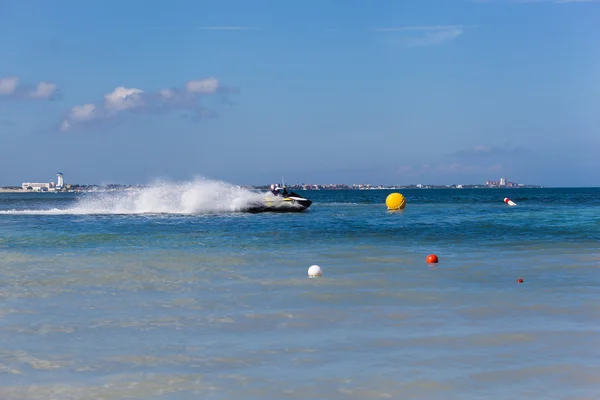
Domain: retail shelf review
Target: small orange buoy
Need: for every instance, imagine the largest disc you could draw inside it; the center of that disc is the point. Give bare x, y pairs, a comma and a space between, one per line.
432, 258
520, 280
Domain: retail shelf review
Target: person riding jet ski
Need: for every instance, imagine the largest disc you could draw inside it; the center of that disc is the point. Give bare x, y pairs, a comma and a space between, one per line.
285, 202
277, 191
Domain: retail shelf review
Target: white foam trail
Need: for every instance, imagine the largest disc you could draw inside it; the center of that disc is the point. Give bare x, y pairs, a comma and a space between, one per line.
196, 197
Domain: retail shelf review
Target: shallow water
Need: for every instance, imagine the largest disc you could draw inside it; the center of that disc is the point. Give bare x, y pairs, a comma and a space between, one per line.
171, 293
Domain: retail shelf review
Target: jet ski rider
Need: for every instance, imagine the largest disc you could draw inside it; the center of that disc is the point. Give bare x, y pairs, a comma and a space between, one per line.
276, 190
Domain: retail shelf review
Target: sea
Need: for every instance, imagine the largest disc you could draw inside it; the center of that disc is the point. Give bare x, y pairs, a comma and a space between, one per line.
171, 292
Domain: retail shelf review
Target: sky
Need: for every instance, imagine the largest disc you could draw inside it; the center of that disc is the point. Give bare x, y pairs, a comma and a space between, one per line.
316, 91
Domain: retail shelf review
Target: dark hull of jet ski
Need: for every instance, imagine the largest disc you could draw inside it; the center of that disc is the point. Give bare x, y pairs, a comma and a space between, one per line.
284, 204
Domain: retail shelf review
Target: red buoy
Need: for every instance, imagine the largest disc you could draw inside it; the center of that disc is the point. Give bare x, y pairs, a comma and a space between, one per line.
432, 258
520, 280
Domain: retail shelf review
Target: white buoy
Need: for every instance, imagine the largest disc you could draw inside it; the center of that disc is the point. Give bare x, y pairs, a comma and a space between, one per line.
509, 202
315, 271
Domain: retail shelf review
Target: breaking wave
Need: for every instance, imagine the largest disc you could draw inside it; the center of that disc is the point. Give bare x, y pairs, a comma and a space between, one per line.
195, 197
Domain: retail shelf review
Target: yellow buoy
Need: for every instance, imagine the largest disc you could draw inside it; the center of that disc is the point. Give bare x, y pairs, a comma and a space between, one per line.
395, 201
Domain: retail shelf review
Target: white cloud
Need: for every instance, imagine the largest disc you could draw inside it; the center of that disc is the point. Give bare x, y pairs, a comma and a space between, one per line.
8, 85
455, 168
207, 86
426, 35
84, 112
436, 37
11, 86
482, 149
166, 93
44, 90
428, 28
123, 100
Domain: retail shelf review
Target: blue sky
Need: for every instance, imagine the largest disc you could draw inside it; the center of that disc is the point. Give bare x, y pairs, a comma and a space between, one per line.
347, 91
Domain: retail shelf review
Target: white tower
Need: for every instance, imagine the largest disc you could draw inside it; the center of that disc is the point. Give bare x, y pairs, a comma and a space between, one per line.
502, 181
60, 182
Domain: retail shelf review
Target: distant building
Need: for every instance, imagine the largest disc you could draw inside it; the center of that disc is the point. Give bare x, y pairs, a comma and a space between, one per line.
44, 187
503, 183
38, 187
60, 183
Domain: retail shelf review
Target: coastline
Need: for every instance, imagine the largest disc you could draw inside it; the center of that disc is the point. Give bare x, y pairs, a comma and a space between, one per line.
112, 188
291, 188
13, 191
2, 190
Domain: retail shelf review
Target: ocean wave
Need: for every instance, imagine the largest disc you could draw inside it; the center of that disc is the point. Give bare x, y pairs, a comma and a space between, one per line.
194, 197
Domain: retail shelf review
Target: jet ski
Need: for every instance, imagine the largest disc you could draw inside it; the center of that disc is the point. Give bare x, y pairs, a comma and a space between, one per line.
288, 202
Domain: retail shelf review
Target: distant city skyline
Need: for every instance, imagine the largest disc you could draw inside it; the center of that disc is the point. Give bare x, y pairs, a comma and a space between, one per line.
61, 185
435, 92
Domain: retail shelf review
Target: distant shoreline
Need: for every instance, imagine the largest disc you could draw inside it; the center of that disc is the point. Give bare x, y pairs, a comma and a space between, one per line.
2, 190
293, 187
13, 191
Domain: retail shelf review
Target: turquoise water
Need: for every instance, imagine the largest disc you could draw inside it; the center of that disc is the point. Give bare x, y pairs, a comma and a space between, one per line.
170, 293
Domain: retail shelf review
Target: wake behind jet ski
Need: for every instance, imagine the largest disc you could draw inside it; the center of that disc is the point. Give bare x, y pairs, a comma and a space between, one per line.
279, 200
